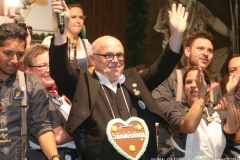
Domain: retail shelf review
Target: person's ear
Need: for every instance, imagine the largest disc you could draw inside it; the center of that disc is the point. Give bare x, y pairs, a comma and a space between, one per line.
91, 59
27, 69
187, 51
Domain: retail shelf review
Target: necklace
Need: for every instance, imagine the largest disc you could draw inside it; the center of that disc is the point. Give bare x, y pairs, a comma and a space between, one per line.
213, 117
110, 104
130, 138
73, 46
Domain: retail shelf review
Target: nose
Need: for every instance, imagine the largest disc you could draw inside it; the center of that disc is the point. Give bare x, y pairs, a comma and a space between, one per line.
193, 84
14, 59
47, 68
78, 20
205, 52
115, 58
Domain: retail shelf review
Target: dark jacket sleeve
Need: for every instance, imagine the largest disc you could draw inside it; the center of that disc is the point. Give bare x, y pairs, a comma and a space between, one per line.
61, 71
161, 69
165, 92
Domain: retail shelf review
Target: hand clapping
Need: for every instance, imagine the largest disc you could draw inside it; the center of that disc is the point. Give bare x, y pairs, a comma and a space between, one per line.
201, 83
232, 84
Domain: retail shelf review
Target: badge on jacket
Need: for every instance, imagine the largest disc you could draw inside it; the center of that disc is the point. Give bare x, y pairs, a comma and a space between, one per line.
17, 94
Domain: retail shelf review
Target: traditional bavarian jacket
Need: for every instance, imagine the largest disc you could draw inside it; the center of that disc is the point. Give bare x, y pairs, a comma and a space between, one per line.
10, 115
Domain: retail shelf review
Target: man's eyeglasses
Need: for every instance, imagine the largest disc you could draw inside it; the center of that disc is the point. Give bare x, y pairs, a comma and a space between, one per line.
43, 67
110, 56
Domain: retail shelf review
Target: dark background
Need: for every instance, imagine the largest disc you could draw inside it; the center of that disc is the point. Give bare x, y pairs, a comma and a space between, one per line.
110, 17
220, 8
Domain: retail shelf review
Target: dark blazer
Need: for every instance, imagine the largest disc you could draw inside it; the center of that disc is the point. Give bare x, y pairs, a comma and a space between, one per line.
82, 88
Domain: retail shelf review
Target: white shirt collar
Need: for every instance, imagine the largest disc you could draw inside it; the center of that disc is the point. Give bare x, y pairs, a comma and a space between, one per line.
104, 81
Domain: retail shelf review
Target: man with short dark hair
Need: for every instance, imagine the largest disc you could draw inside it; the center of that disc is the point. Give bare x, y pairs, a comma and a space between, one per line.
24, 103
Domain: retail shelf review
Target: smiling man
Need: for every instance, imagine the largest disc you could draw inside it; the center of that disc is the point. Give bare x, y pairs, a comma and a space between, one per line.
12, 92
199, 52
111, 93
111, 63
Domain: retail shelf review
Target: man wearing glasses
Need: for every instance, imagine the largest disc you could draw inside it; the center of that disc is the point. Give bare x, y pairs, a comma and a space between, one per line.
24, 103
109, 93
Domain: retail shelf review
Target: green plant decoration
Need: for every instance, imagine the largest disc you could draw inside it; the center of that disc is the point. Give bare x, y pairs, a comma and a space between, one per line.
135, 33
41, 36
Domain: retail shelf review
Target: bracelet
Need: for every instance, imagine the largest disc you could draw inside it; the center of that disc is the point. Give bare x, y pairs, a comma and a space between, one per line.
54, 156
201, 105
231, 94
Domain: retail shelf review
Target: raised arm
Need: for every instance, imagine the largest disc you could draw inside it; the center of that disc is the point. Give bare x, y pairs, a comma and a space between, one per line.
164, 94
232, 123
178, 22
219, 26
193, 117
163, 67
60, 70
60, 8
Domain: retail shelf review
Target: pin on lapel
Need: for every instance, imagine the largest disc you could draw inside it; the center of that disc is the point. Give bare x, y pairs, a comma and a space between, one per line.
141, 104
56, 101
137, 92
134, 84
17, 94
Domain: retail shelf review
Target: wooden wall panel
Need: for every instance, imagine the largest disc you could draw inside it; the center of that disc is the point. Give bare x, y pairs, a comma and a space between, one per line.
106, 17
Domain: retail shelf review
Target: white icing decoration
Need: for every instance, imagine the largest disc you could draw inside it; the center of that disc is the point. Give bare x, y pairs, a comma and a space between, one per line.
137, 134
129, 135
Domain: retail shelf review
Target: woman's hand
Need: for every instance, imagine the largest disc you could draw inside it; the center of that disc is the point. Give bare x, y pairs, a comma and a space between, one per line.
232, 84
201, 84
60, 8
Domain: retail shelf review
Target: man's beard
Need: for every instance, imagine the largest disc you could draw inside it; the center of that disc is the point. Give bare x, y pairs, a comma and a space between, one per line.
191, 62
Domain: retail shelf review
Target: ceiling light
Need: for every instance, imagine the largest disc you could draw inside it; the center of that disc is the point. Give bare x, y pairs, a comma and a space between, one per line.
12, 3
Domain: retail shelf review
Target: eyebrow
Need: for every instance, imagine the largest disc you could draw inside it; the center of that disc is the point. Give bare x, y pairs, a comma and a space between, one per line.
10, 50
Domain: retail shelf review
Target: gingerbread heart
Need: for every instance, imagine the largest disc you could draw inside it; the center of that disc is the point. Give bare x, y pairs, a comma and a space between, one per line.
129, 138
17, 94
